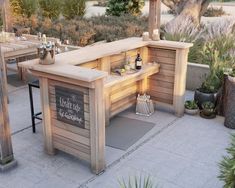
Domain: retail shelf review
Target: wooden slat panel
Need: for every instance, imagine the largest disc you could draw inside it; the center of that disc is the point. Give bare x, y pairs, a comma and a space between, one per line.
126, 106
72, 151
66, 85
155, 94
153, 83
124, 93
162, 90
162, 77
71, 143
71, 128
127, 100
163, 100
72, 136
160, 60
162, 53
167, 67
126, 83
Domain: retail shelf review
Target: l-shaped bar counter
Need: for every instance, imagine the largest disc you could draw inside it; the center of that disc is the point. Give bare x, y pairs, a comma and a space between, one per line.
79, 94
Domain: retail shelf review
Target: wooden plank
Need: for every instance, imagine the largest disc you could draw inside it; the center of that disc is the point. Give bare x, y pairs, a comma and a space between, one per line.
167, 67
97, 127
71, 135
161, 95
53, 83
161, 77
63, 79
71, 128
123, 93
71, 143
124, 107
153, 83
163, 100
180, 81
162, 53
72, 151
131, 99
160, 60
46, 111
167, 72
163, 90
125, 84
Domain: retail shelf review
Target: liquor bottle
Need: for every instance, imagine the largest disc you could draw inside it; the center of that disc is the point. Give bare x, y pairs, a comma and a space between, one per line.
138, 62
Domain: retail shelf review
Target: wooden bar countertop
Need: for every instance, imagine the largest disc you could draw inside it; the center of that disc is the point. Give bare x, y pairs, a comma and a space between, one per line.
66, 62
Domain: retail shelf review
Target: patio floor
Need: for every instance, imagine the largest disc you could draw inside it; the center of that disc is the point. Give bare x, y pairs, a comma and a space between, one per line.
177, 152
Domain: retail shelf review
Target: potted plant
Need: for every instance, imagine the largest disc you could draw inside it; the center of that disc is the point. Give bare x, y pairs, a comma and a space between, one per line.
208, 110
191, 107
213, 82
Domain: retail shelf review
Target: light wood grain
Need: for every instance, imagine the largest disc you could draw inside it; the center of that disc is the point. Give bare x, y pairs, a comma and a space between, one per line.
6, 151
46, 111
97, 127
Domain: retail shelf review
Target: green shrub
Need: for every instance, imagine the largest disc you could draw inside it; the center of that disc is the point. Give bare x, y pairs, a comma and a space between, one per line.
50, 8
74, 8
24, 8
227, 167
120, 7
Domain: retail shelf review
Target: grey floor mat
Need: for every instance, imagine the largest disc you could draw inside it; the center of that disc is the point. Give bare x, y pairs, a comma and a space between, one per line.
124, 132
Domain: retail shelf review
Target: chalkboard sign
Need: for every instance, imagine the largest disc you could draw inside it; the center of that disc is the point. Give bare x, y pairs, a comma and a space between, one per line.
70, 106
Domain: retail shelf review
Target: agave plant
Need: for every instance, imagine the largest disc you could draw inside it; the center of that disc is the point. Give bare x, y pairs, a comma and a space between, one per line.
137, 182
227, 167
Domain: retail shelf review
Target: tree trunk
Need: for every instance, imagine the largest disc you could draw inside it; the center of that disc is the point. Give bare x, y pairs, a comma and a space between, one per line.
191, 9
6, 152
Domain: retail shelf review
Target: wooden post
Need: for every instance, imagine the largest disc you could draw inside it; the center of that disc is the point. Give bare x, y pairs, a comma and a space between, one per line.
97, 123
154, 16
180, 81
6, 152
6, 15
46, 111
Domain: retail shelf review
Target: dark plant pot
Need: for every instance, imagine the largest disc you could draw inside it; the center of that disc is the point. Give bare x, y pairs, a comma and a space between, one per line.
201, 97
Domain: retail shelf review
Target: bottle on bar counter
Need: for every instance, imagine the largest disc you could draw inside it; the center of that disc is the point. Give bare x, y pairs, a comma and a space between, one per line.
138, 62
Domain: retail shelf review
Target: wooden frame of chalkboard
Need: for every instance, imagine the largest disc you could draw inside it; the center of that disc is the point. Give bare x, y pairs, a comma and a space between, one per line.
70, 106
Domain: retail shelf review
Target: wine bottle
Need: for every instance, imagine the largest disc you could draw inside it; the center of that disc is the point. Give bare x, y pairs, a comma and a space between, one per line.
138, 62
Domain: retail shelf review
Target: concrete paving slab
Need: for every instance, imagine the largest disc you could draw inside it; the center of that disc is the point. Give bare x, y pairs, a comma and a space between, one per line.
177, 152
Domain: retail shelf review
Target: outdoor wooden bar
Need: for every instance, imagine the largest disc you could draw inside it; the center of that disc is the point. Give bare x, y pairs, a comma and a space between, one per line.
87, 74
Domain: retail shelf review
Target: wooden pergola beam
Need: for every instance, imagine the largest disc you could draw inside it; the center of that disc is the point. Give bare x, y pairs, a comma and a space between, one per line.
154, 16
6, 152
6, 15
